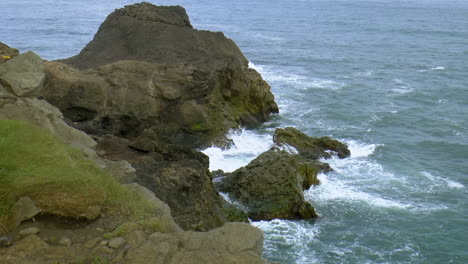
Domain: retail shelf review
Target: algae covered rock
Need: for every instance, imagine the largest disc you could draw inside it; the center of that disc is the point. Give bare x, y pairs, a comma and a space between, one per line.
147, 67
272, 185
310, 147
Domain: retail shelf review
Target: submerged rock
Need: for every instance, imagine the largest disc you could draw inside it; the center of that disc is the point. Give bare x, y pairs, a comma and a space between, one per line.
272, 185
147, 67
310, 147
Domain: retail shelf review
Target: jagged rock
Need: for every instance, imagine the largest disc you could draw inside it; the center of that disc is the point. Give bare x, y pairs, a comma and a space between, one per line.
233, 243
29, 231
177, 175
148, 68
6, 52
23, 209
22, 76
272, 185
310, 147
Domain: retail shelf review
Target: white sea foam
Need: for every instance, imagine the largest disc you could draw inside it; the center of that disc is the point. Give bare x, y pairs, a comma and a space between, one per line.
438, 68
336, 189
440, 181
402, 87
298, 79
359, 149
247, 146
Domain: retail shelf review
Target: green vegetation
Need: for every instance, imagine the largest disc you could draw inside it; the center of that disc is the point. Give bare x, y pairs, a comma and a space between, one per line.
33, 161
151, 224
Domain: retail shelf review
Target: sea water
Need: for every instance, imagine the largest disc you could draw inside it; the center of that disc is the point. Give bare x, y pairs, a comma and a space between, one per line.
387, 77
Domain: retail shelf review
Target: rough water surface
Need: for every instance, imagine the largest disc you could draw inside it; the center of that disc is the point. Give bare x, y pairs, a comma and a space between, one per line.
387, 77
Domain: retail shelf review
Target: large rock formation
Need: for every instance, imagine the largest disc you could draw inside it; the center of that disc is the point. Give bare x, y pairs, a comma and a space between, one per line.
272, 185
147, 67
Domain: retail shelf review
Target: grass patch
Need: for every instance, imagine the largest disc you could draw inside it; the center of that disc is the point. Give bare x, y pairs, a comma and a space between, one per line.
32, 160
151, 224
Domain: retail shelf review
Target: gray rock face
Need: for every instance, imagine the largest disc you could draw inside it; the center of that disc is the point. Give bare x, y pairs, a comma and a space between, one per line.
23, 209
145, 32
148, 68
22, 76
272, 185
234, 243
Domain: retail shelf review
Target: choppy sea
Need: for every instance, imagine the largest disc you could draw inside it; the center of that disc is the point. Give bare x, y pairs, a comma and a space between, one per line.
388, 77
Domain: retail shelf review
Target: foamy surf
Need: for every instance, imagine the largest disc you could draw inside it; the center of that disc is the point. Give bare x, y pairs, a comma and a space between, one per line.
442, 182
247, 146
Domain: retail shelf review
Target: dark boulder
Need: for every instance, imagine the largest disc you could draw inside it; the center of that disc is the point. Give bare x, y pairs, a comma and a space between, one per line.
271, 186
177, 175
310, 147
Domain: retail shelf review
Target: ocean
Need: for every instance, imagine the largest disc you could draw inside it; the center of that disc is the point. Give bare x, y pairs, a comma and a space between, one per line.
387, 77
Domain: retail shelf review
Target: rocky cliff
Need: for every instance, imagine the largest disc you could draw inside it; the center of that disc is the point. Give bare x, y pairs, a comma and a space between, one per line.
147, 67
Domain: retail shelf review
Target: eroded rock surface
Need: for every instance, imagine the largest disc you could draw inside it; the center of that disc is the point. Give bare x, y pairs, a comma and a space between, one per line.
272, 185
147, 67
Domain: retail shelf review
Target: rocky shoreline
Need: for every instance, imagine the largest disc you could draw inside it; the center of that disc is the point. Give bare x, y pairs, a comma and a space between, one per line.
136, 103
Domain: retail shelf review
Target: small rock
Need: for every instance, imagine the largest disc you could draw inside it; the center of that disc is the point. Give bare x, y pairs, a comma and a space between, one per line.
100, 230
65, 241
5, 241
24, 209
106, 250
29, 231
136, 238
91, 243
117, 242
104, 242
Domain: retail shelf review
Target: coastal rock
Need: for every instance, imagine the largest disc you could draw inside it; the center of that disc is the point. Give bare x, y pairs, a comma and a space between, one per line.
177, 175
22, 76
233, 243
148, 68
162, 210
6, 52
310, 147
272, 185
